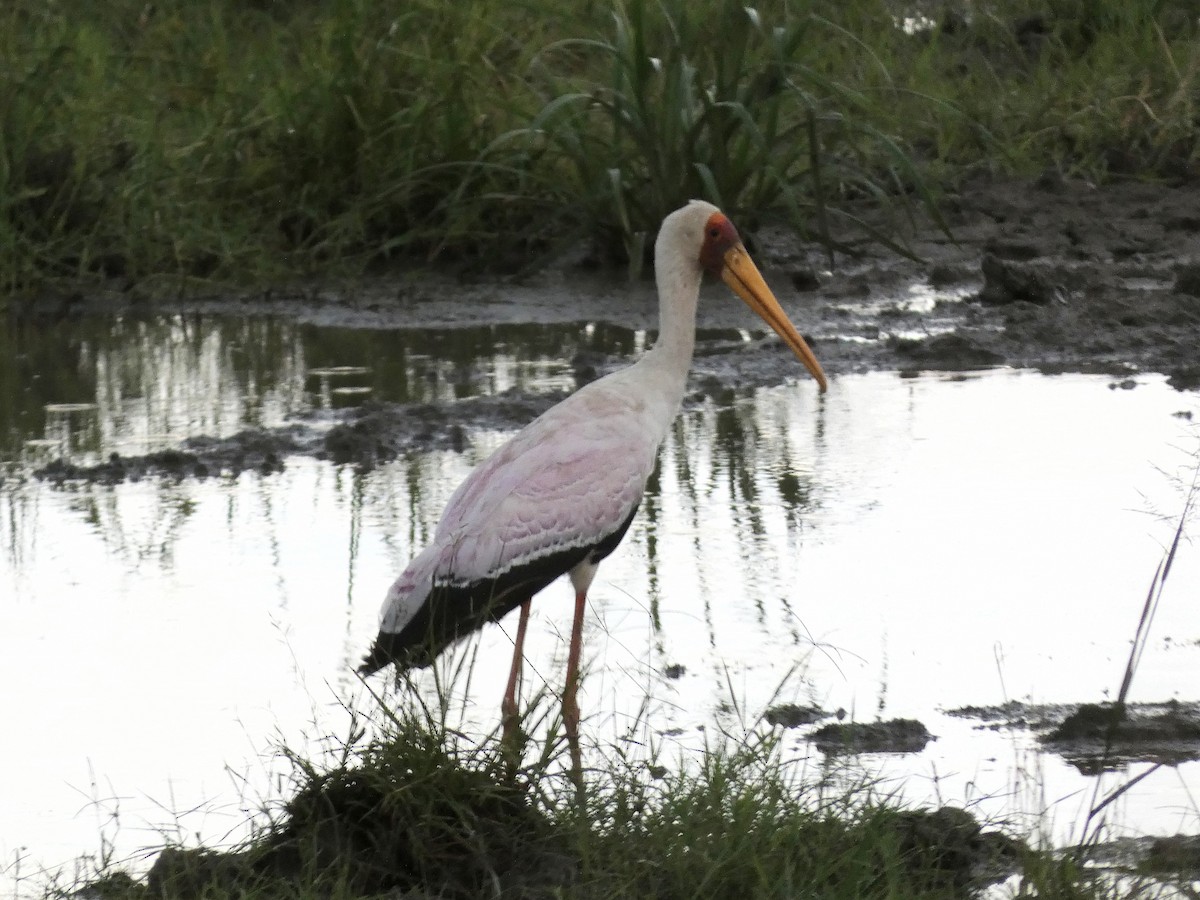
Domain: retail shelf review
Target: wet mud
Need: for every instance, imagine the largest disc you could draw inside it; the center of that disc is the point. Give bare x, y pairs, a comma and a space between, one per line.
1161, 857
793, 715
849, 738
1053, 274
892, 736
430, 828
1097, 737
378, 432
255, 450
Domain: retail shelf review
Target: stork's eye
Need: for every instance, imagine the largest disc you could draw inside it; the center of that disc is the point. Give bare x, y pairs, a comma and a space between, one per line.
714, 232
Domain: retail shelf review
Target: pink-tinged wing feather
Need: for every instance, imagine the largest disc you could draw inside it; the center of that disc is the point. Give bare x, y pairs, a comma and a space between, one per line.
568, 479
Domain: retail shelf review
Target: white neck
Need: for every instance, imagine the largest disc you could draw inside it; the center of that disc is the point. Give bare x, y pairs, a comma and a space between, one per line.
677, 276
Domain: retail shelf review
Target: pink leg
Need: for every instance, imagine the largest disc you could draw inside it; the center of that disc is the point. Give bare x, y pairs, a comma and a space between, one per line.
508, 706
569, 703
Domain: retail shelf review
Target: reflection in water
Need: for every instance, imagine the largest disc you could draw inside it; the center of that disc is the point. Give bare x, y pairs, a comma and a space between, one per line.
906, 544
87, 388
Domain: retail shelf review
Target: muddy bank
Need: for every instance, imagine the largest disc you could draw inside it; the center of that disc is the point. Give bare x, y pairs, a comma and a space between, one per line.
1176, 855
1054, 273
892, 736
260, 451
416, 822
1051, 274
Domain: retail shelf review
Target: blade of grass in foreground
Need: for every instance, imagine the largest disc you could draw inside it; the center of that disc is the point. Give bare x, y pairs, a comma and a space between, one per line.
1092, 835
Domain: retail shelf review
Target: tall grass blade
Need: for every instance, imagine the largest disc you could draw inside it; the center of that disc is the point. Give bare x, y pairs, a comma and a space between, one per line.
1136, 650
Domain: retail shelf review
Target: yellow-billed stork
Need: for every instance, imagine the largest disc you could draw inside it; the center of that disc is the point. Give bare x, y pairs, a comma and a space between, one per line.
559, 496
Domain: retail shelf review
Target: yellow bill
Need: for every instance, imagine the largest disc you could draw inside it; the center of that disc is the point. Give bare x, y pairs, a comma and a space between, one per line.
743, 277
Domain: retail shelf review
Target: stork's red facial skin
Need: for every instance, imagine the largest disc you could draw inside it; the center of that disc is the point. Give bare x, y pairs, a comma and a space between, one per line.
719, 237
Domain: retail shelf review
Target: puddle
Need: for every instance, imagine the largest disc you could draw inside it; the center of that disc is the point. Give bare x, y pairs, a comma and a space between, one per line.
899, 547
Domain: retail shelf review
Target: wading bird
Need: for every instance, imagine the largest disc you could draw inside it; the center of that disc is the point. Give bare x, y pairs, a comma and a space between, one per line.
560, 495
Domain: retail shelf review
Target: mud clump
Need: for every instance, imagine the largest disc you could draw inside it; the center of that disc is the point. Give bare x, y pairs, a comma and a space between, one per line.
1179, 853
1170, 722
1091, 721
1100, 737
1012, 714
1005, 281
948, 351
380, 432
1185, 377
116, 469
261, 451
1097, 737
407, 822
793, 715
1187, 280
1162, 858
951, 848
893, 736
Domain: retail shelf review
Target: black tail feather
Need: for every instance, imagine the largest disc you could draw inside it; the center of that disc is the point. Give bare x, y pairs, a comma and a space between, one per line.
391, 649
453, 611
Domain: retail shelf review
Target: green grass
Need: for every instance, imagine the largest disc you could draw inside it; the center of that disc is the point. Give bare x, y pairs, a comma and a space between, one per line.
264, 141
724, 102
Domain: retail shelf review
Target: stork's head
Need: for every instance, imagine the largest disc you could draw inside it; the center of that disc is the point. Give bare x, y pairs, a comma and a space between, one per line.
702, 233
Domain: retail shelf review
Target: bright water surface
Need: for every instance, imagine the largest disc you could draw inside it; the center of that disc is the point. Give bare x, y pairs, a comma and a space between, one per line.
900, 547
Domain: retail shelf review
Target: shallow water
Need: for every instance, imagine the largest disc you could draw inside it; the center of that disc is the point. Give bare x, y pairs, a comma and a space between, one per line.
899, 547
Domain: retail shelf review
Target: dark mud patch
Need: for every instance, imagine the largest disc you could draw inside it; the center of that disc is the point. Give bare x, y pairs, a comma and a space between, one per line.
1100, 737
1174, 856
380, 432
363, 436
793, 715
1179, 854
376, 432
892, 736
950, 351
952, 845
261, 451
1052, 274
448, 832
1005, 281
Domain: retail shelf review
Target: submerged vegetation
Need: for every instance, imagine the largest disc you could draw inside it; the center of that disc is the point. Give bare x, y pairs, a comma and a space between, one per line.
259, 141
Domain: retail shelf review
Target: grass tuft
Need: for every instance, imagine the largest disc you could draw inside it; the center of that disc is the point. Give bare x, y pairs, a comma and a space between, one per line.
416, 811
722, 101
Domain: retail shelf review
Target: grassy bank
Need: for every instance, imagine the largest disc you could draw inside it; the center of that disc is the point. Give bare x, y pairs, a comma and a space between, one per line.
268, 140
417, 812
